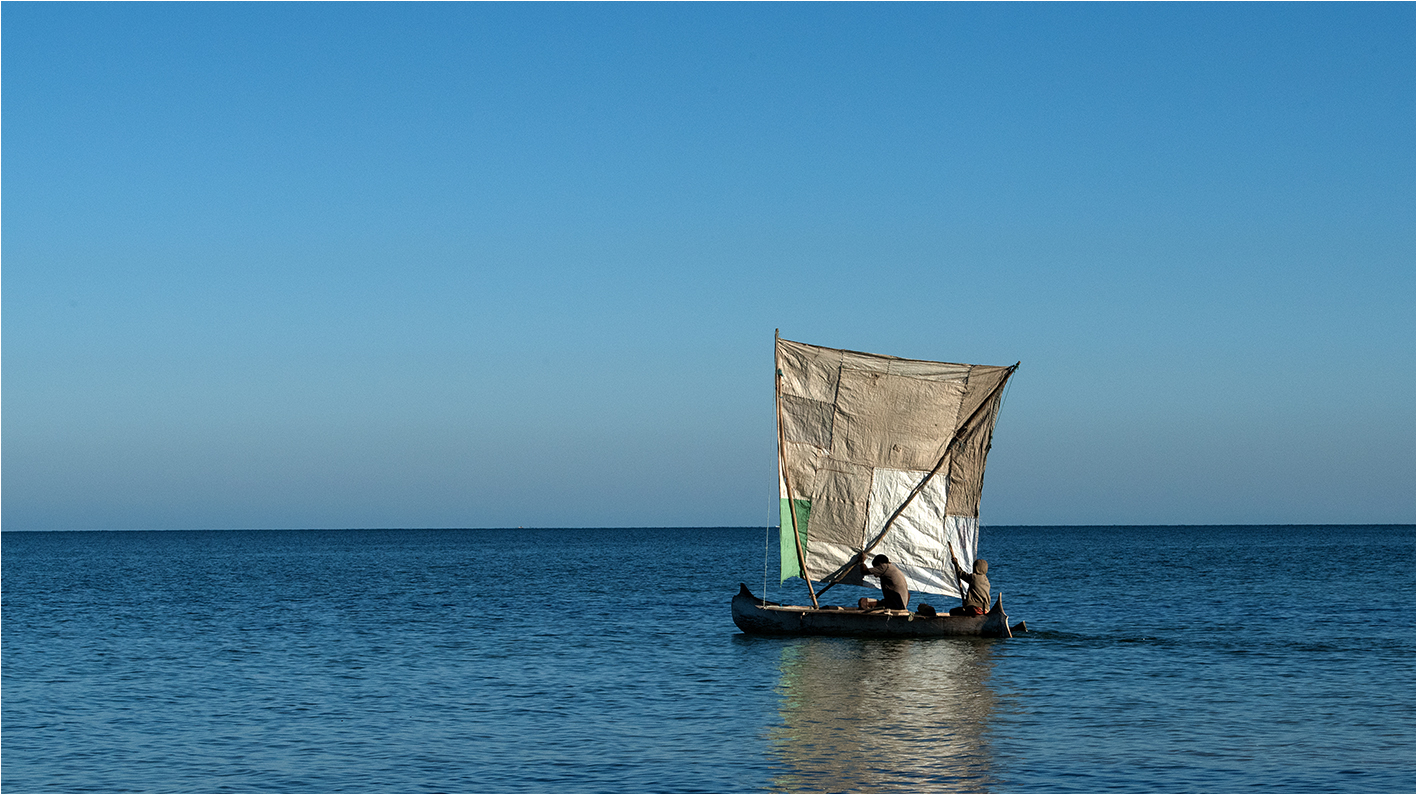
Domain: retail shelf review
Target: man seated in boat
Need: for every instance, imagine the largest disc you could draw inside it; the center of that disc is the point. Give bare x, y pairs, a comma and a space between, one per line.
893, 588
976, 600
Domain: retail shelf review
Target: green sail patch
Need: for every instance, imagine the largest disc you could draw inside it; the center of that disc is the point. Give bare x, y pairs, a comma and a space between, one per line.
787, 550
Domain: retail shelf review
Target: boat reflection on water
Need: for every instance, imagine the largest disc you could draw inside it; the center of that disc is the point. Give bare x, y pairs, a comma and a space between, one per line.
884, 715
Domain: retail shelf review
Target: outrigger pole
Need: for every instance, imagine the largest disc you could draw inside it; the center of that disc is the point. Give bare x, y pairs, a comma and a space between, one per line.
838, 575
782, 467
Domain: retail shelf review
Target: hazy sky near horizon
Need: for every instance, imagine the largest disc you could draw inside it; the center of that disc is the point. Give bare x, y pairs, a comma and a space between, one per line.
484, 265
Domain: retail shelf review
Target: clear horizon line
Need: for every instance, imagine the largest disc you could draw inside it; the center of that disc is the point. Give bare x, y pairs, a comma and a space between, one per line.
650, 527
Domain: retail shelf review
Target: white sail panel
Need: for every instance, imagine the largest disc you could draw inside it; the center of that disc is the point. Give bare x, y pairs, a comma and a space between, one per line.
916, 542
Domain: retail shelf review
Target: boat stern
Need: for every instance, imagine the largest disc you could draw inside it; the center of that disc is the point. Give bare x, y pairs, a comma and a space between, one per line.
996, 622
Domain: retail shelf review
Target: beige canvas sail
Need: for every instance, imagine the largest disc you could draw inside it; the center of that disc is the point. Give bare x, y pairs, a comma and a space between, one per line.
882, 454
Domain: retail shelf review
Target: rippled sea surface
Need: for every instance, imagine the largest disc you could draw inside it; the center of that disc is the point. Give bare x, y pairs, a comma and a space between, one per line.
1162, 659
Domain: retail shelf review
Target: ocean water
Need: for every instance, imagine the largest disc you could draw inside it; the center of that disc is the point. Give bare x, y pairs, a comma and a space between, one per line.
1161, 659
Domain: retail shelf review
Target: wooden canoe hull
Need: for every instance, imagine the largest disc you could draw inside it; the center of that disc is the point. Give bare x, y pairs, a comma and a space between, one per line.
759, 617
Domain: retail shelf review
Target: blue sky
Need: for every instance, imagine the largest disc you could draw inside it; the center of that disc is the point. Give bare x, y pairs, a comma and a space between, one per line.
447, 265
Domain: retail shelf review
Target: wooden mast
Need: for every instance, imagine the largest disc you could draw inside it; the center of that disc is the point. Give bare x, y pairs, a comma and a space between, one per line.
782, 467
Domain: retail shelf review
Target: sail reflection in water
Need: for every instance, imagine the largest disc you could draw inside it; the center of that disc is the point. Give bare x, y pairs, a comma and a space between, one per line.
882, 715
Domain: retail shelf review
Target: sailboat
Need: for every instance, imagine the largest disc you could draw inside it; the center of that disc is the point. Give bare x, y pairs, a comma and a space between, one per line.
877, 455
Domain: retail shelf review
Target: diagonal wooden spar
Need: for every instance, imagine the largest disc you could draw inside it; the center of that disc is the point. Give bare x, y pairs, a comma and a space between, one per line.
782, 466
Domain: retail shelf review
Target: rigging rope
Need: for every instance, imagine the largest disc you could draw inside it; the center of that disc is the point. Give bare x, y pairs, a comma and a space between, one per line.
767, 530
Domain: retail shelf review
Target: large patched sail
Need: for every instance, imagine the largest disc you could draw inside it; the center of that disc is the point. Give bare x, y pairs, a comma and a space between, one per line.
881, 453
